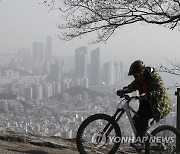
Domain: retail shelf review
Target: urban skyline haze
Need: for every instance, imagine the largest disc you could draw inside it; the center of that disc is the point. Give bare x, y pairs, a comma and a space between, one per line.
44, 92
24, 22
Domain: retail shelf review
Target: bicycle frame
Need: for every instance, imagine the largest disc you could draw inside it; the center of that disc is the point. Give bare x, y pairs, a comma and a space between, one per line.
126, 108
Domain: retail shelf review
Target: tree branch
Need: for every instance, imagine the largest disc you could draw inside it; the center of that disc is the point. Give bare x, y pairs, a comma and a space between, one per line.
104, 17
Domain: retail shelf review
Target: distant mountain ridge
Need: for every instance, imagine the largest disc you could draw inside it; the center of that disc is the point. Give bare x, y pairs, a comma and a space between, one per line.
78, 90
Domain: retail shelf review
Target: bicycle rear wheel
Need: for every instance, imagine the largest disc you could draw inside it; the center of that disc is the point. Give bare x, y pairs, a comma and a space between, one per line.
91, 137
163, 140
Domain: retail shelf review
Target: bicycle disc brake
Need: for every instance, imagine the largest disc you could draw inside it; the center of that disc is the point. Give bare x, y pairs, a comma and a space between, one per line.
99, 139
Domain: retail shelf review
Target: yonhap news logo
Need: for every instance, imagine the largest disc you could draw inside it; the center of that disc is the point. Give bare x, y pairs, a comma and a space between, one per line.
100, 140
151, 139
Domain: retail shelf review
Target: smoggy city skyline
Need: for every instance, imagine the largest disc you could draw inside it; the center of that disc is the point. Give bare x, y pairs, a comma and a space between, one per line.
24, 22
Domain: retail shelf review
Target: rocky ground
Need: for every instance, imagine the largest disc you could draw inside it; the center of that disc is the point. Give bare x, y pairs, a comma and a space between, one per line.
21, 143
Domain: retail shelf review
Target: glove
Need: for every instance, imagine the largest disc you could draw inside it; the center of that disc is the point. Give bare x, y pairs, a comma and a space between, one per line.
121, 92
149, 95
143, 97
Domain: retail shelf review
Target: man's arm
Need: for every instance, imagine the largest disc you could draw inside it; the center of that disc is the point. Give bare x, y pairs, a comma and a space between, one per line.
130, 88
133, 86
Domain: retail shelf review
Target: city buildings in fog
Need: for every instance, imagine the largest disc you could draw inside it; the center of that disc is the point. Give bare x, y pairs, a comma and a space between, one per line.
95, 68
108, 73
113, 73
38, 52
121, 71
37, 74
48, 49
32, 77
81, 62
54, 72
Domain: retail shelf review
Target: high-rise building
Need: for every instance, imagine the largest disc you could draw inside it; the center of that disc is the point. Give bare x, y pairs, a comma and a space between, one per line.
56, 88
38, 52
54, 73
23, 56
84, 82
108, 73
95, 72
37, 91
47, 90
113, 73
28, 93
121, 71
46, 67
81, 62
34, 51
48, 49
116, 72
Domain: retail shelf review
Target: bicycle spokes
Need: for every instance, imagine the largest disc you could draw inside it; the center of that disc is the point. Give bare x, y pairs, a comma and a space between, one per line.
95, 136
163, 141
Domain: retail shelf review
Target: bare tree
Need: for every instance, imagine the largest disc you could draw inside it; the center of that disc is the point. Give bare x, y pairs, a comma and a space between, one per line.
105, 16
172, 67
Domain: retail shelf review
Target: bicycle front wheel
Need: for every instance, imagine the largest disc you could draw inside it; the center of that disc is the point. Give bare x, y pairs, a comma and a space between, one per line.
99, 133
164, 140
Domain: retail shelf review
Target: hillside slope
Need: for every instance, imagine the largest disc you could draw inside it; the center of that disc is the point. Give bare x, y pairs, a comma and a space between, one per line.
24, 143
76, 91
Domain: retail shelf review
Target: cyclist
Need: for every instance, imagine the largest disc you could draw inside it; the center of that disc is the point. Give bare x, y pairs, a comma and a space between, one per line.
154, 102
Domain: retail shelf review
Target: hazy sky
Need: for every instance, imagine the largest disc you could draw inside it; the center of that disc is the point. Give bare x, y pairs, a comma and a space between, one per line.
25, 21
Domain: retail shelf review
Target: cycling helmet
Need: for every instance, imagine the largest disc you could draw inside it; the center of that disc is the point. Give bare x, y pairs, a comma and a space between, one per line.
135, 67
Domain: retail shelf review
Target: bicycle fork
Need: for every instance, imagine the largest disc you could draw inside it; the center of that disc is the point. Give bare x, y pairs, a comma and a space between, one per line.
115, 118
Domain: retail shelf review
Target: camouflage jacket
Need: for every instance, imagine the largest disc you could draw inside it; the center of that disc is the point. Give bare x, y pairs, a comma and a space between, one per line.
158, 98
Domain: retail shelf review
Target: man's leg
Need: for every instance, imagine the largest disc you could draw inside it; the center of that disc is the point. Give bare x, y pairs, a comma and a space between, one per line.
141, 122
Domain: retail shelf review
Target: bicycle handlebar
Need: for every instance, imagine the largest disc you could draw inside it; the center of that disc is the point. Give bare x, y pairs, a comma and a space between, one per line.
128, 98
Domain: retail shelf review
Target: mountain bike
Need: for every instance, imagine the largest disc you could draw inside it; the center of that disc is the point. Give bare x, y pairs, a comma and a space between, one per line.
101, 133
